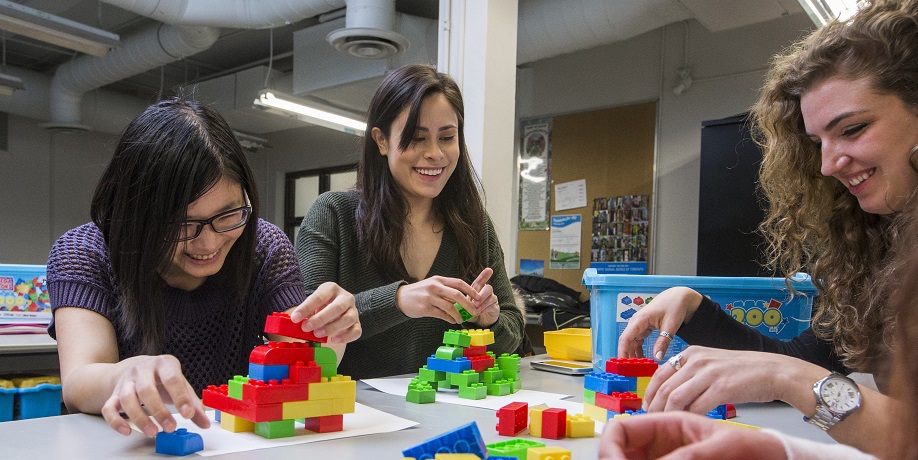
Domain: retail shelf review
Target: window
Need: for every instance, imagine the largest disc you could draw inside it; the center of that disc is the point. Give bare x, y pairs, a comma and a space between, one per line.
303, 187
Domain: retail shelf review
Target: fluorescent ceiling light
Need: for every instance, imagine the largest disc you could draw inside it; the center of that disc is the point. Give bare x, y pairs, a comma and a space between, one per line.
292, 106
56, 30
823, 11
9, 83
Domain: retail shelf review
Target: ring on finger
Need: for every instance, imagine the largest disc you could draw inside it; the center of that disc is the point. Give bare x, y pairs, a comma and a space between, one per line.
667, 335
676, 361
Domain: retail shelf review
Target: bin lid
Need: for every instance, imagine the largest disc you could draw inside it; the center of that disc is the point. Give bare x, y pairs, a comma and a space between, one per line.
801, 282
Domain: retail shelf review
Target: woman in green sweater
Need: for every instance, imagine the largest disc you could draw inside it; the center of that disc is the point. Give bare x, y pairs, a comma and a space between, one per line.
413, 238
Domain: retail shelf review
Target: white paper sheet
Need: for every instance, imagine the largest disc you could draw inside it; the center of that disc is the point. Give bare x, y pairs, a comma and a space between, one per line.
399, 387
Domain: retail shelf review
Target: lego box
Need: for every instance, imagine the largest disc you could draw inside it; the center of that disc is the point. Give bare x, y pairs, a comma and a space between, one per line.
24, 294
764, 304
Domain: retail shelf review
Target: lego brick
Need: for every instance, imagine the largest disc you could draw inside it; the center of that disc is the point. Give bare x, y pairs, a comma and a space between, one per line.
457, 457
276, 429
343, 405
475, 350
731, 411
589, 396
597, 413
535, 420
448, 352
218, 398
481, 337
580, 426
235, 386
509, 365
554, 423
618, 402
274, 392
268, 372
281, 353
305, 372
280, 324
481, 363
457, 338
500, 388
233, 424
326, 424
463, 312
430, 375
548, 453
455, 366
641, 389
465, 378
307, 409
512, 418
491, 375
515, 448
463, 440
473, 391
180, 442
603, 382
333, 389
631, 367
719, 412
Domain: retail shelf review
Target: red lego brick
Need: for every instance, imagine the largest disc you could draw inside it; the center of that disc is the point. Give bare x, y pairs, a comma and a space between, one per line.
326, 424
618, 402
308, 372
554, 423
280, 324
631, 367
274, 392
274, 353
512, 418
218, 398
481, 363
731, 411
475, 350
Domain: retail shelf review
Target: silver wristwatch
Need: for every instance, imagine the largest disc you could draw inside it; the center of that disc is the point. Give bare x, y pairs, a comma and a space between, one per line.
836, 397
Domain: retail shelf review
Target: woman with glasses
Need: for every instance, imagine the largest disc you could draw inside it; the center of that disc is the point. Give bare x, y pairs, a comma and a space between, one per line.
413, 240
167, 290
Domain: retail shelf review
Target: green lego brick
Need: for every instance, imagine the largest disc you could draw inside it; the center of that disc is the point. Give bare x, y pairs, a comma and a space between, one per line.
491, 375
324, 355
463, 312
428, 375
274, 430
448, 353
512, 448
464, 379
457, 338
500, 388
589, 396
420, 392
473, 391
517, 385
509, 365
235, 386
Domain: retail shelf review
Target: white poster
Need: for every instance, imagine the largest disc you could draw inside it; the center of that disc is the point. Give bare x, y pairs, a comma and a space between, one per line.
535, 151
565, 242
570, 195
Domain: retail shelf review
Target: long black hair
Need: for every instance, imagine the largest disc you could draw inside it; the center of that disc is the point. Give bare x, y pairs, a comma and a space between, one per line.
167, 157
382, 210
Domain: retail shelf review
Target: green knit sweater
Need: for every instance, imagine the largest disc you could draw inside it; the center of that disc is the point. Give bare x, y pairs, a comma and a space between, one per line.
392, 343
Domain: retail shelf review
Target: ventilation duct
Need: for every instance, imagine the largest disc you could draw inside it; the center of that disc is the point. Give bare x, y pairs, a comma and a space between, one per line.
368, 31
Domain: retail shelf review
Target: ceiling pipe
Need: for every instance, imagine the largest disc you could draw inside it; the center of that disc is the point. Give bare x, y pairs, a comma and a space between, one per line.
238, 14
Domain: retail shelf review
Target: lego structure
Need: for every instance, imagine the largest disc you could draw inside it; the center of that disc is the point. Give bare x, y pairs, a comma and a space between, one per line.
287, 381
465, 443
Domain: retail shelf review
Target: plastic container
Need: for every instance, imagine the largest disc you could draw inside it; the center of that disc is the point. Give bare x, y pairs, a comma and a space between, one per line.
7, 396
24, 294
572, 344
764, 304
43, 400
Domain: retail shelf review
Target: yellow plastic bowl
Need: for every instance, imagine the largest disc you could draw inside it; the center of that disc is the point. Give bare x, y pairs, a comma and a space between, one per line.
572, 344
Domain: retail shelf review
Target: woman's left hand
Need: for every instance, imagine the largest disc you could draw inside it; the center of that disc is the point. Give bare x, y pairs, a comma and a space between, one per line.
331, 312
487, 308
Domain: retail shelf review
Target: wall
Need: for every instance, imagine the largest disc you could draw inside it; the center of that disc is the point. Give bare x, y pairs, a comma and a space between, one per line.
728, 68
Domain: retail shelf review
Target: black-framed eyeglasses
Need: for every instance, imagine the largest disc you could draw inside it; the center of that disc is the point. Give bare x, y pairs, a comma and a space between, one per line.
221, 223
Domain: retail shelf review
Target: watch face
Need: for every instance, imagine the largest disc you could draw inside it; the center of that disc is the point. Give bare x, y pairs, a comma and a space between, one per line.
840, 395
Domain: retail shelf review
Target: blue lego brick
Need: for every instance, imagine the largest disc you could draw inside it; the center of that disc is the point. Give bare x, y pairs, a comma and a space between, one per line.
463, 440
455, 366
179, 442
605, 383
635, 412
719, 412
268, 372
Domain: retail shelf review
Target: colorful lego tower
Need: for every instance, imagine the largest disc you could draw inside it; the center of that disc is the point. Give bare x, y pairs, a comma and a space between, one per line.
287, 381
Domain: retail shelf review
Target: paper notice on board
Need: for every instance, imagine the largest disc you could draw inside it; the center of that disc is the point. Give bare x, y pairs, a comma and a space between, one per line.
570, 195
565, 242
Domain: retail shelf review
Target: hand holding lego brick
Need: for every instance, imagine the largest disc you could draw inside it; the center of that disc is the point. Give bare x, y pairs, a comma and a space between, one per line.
331, 312
487, 308
668, 311
684, 435
147, 387
434, 298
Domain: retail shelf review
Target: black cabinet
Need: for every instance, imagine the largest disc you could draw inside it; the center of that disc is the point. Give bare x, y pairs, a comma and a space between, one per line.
730, 207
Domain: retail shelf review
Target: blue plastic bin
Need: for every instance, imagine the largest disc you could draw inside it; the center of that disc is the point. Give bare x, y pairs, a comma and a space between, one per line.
7, 398
764, 304
43, 400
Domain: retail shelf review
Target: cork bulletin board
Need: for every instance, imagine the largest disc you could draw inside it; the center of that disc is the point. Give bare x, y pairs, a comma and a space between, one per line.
613, 150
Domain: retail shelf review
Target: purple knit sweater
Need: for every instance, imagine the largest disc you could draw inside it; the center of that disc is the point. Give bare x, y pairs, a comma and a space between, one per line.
209, 333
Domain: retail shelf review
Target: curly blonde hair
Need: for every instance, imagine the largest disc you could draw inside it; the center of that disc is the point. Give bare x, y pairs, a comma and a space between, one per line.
812, 223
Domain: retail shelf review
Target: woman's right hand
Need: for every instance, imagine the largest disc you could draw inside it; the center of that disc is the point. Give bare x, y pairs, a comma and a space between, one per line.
148, 387
667, 312
434, 298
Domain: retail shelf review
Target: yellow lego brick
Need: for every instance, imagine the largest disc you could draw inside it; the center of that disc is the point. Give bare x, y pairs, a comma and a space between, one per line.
339, 377
234, 424
332, 389
535, 421
308, 409
548, 453
595, 412
580, 426
481, 337
642, 386
739, 424
456, 457
343, 405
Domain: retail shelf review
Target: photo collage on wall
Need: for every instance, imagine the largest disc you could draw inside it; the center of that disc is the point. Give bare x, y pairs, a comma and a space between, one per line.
621, 229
